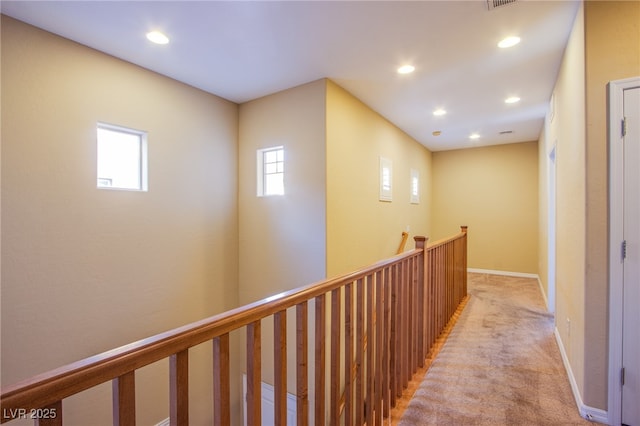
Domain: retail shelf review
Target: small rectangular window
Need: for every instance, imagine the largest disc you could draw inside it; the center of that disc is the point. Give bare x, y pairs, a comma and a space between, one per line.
386, 179
122, 158
270, 171
415, 187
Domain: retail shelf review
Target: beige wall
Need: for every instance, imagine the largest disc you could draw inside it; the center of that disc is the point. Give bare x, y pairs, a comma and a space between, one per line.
360, 228
567, 133
119, 266
494, 191
604, 46
283, 238
612, 52
86, 270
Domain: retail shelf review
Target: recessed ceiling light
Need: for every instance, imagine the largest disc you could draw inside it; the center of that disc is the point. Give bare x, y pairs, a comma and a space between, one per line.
474, 136
406, 69
512, 100
509, 41
157, 37
439, 112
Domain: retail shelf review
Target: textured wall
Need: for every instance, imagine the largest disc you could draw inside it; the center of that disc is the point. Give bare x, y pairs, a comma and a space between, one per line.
86, 270
360, 228
494, 191
612, 52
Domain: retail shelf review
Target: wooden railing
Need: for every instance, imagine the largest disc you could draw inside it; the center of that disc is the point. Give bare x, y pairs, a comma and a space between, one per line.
378, 324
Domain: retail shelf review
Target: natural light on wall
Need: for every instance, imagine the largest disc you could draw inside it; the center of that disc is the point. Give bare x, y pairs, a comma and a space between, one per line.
121, 158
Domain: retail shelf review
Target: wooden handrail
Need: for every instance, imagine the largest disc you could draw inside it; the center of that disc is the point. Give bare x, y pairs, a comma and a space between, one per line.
403, 242
410, 294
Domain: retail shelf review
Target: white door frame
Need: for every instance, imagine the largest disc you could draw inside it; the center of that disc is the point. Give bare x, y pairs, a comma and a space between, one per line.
616, 235
551, 228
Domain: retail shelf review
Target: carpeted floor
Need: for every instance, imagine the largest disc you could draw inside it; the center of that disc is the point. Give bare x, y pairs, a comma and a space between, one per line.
500, 365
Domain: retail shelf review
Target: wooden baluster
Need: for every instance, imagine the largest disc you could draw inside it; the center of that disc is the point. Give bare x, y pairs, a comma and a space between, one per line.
380, 347
443, 287
429, 300
394, 368
359, 408
221, 381
451, 281
439, 291
335, 385
302, 371
416, 315
405, 326
443, 294
413, 315
370, 373
445, 298
464, 229
254, 374
399, 331
348, 354
321, 326
124, 400
386, 359
420, 243
51, 415
458, 273
409, 314
280, 367
454, 274
433, 315
179, 388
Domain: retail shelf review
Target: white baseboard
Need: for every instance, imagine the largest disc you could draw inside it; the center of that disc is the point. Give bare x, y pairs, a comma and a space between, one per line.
506, 273
586, 412
544, 295
165, 422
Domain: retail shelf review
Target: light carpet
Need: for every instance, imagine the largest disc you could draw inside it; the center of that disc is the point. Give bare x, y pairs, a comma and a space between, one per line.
500, 365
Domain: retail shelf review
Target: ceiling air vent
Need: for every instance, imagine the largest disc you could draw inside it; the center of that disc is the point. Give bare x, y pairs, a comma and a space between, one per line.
492, 4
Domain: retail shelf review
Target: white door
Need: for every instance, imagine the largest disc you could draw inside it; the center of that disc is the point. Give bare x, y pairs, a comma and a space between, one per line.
624, 252
631, 263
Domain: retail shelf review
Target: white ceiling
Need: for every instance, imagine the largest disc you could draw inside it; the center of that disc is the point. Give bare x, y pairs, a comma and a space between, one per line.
243, 50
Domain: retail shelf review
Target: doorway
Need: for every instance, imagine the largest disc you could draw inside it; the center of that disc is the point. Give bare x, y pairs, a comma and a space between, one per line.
551, 231
624, 252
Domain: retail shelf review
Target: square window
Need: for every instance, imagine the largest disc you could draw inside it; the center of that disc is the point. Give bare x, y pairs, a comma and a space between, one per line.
270, 171
122, 158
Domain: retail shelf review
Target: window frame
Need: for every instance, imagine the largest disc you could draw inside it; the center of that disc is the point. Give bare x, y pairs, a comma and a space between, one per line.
142, 171
262, 171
